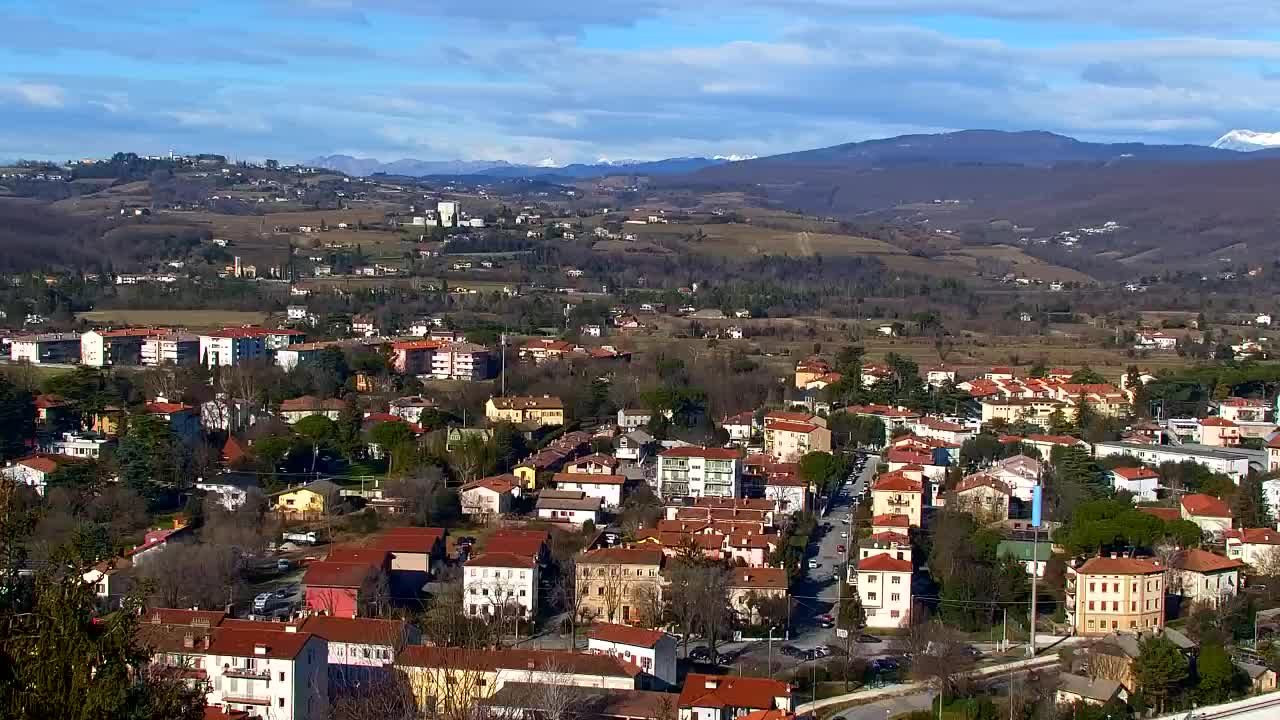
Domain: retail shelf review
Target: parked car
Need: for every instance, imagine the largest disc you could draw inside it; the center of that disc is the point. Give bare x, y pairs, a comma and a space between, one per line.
839, 548
865, 638
262, 601
302, 538
283, 565
814, 564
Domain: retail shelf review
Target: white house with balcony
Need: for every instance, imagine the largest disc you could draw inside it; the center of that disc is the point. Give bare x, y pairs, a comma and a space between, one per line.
271, 674
694, 471
884, 588
497, 584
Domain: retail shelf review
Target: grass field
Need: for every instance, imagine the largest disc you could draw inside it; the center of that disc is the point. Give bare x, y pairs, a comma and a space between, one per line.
174, 318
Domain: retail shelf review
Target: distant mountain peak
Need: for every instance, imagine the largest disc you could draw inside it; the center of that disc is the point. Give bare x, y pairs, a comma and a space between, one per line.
1248, 140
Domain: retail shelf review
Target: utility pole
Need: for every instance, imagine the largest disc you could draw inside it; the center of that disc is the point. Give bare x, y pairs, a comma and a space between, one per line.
503, 338
1035, 553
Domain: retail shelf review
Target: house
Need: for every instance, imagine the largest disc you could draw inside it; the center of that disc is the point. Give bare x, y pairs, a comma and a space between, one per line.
183, 420
1244, 410
750, 585
1073, 689
694, 471
788, 491
1273, 454
345, 589
1219, 432
810, 369
1114, 656
605, 488
727, 697
489, 497
1262, 679
594, 331
884, 588
275, 674
1211, 514
653, 650
984, 497
1154, 341
415, 553
568, 506
741, 427
541, 350
360, 649
230, 490
1034, 556
897, 493
364, 325
1203, 577
1233, 463
1259, 547
295, 409
543, 411
633, 446
1106, 594
894, 544
596, 464
892, 523
34, 470
500, 585
315, 499
621, 585
1140, 482
411, 409
533, 544
633, 418
228, 414
788, 441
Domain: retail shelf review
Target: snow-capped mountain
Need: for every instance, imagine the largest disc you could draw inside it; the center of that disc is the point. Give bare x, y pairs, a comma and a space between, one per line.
1248, 140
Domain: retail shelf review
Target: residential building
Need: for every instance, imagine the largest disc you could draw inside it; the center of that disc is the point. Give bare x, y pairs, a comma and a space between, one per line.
897, 493
634, 446
1257, 547
1140, 482
1244, 410
728, 697
809, 370
568, 506
884, 588
360, 649
741, 427
183, 420
788, 491
1078, 689
1262, 679
1200, 576
595, 464
232, 346
1036, 411
1273, 455
345, 589
1211, 514
653, 650
1020, 473
749, 585
110, 348
1033, 555
34, 470
1233, 463
229, 414
540, 350
621, 585
410, 409
695, 471
1219, 432
230, 490
83, 445
633, 419
896, 545
788, 441
500, 585
544, 410
489, 497
461, 361
296, 409
984, 497
606, 488
311, 500
275, 675
45, 349
1108, 594
891, 523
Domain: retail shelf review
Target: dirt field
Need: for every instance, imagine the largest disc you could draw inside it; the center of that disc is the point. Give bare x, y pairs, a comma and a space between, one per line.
174, 318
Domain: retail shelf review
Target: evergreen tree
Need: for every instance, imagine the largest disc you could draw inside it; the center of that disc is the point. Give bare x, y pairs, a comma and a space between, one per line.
150, 459
1159, 668
1217, 675
17, 419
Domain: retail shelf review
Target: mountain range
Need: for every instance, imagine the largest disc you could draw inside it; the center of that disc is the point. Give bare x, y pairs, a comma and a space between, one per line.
502, 169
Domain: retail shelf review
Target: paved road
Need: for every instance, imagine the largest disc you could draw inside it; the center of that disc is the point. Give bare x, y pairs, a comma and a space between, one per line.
882, 709
818, 592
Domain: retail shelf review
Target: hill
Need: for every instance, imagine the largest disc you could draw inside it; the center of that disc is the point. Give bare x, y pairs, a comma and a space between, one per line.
500, 168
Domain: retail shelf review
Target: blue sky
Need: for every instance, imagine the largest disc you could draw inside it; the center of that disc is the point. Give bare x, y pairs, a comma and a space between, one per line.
574, 80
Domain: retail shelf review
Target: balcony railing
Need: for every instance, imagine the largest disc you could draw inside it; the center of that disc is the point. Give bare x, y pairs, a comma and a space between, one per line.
247, 673
246, 699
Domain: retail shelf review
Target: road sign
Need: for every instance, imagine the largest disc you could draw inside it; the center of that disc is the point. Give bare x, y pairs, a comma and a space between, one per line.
842, 633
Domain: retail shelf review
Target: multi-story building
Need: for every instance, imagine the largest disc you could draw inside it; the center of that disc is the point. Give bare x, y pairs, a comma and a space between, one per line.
699, 472
180, 349
884, 589
46, 348
633, 418
1200, 576
607, 488
232, 346
500, 585
1036, 411
540, 350
726, 697
653, 650
272, 674
1140, 482
1233, 463
80, 445
1210, 513
413, 357
461, 361
1108, 594
896, 493
984, 497
788, 441
621, 585
1244, 410
750, 585
360, 649
489, 497
574, 507
1259, 547
106, 348
1219, 432
543, 410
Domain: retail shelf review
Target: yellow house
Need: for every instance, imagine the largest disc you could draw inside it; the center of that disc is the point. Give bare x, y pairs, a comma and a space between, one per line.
106, 422
447, 681
519, 409
310, 500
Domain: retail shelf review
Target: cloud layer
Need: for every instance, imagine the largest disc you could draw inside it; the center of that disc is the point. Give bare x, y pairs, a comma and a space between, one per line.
574, 80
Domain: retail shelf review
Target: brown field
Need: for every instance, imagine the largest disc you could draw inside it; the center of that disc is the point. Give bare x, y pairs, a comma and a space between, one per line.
1023, 264
174, 318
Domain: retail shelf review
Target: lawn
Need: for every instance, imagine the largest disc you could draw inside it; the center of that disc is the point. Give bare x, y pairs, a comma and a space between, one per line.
174, 318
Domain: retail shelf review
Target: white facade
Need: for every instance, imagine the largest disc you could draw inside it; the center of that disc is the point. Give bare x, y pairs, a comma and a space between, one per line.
699, 472
1211, 588
1142, 485
50, 348
447, 211
574, 516
486, 589
159, 350
885, 593
227, 414
789, 497
26, 474
230, 350
230, 496
1233, 464
460, 361
271, 687
658, 660
606, 487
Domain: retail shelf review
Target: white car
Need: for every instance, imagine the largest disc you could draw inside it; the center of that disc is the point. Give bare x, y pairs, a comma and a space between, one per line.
844, 535
814, 564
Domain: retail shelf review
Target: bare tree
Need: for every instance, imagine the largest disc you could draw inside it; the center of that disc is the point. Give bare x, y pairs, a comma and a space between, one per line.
423, 491
938, 656
192, 576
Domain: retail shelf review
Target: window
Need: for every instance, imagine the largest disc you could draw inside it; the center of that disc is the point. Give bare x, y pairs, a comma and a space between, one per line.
1115, 587
894, 613
1090, 624
281, 701
1115, 625
1133, 606
871, 578
895, 597
1133, 624
1115, 606
281, 676
1090, 587
871, 596
1090, 604
895, 580
600, 591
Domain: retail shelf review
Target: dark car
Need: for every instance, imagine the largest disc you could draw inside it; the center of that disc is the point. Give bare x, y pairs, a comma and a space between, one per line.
700, 654
865, 638
789, 650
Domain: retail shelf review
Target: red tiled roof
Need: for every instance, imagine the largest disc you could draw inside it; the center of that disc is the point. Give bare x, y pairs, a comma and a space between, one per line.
626, 635
328, 573
1053, 439
589, 478
760, 578
166, 408
897, 482
888, 536
891, 520
310, 402
621, 556
1135, 473
369, 631
598, 459
1259, 536
501, 559
236, 642
1121, 566
490, 660
408, 539
909, 457
1216, 422
882, 562
982, 480
1205, 506
500, 484
177, 616
375, 557
729, 691
1203, 561
785, 416
789, 426
703, 452
1165, 514
45, 462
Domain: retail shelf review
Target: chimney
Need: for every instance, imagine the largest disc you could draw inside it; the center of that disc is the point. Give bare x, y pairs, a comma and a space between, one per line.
259, 649
712, 683
291, 628
1115, 555
188, 641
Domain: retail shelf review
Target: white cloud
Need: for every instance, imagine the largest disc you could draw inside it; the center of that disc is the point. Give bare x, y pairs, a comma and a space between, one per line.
39, 95
212, 119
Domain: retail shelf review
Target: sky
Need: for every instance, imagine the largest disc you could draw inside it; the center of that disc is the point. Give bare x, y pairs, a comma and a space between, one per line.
559, 81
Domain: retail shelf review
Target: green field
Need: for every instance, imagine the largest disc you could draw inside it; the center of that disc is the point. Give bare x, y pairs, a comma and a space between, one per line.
174, 318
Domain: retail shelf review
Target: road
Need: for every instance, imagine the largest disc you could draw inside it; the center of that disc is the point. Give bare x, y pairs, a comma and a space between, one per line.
818, 592
882, 709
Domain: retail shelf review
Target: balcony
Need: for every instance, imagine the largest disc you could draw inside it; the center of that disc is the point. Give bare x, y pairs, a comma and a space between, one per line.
247, 673
246, 699
899, 502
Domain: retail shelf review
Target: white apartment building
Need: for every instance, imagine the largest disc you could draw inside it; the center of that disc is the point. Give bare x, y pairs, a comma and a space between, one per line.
170, 349
495, 584
1232, 463
447, 212
699, 472
1254, 546
46, 348
608, 488
275, 675
460, 361
884, 587
360, 642
104, 348
231, 346
653, 650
